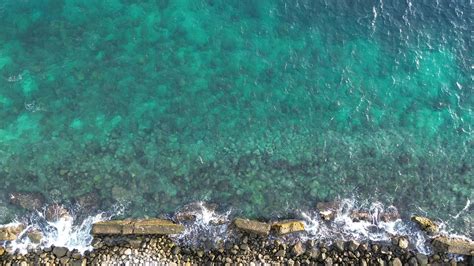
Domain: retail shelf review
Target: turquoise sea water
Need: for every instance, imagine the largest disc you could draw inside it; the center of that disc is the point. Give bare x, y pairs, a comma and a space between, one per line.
260, 106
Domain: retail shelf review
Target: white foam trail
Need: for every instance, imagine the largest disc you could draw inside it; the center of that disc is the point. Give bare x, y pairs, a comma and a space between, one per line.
207, 223
344, 227
66, 231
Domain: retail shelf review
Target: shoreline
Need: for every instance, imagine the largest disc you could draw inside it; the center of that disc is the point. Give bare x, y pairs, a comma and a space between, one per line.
248, 250
156, 242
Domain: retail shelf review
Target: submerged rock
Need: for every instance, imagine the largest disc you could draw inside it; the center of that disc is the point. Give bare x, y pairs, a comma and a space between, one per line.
252, 226
10, 232
426, 224
453, 245
137, 227
391, 215
35, 235
287, 227
357, 216
55, 212
27, 200
89, 201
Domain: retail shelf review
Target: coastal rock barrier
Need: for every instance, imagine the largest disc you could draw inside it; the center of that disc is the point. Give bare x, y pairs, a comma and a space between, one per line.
151, 242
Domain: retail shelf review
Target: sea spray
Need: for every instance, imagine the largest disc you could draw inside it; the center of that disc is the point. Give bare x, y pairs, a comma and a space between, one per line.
71, 231
204, 225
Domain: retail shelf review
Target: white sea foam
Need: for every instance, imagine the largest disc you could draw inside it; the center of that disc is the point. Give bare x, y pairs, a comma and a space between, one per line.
344, 227
206, 226
66, 231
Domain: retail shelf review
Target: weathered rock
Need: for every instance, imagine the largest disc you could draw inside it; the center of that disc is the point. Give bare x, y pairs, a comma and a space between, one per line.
156, 227
113, 227
403, 242
453, 245
287, 227
34, 235
137, 227
27, 200
298, 249
327, 210
338, 245
353, 245
426, 224
55, 212
60, 252
10, 232
2, 251
422, 259
252, 226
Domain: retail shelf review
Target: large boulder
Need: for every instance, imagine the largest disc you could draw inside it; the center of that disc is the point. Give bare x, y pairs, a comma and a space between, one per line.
426, 224
137, 227
453, 245
252, 226
10, 232
288, 227
27, 200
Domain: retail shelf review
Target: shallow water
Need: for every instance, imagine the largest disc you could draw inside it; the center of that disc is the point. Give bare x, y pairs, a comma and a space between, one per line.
263, 107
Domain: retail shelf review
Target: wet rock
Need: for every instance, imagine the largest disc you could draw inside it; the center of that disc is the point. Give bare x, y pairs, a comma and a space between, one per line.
422, 259
55, 212
298, 249
60, 252
426, 224
338, 245
252, 226
156, 227
35, 235
361, 215
453, 245
27, 200
121, 194
353, 245
137, 227
10, 232
391, 215
2, 251
328, 210
288, 227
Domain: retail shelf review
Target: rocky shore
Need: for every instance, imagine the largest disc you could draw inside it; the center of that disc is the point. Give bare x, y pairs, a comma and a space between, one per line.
150, 242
